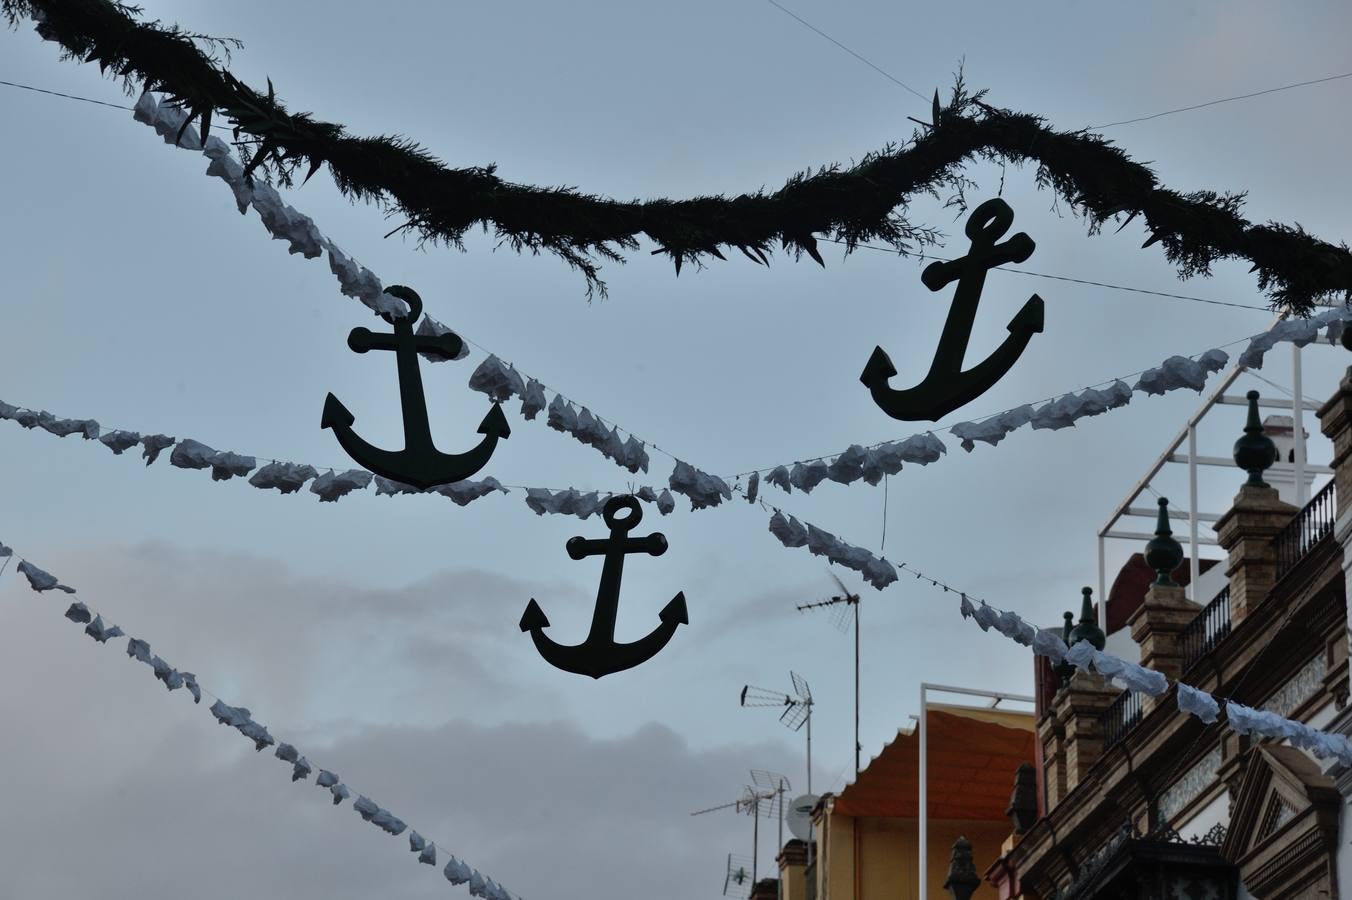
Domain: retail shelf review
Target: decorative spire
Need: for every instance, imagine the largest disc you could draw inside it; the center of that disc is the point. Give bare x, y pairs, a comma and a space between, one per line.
1255, 452
1163, 553
962, 880
1087, 628
1063, 669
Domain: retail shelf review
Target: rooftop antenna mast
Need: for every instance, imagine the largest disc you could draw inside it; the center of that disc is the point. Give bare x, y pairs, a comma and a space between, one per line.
844, 608
763, 797
737, 882
797, 709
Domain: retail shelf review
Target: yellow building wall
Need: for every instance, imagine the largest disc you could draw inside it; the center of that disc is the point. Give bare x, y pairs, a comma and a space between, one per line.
889, 858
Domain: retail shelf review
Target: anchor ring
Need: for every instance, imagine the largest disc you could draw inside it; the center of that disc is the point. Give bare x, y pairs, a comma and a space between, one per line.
989, 221
617, 504
409, 296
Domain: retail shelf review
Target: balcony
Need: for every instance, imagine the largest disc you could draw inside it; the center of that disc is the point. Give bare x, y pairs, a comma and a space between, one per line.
1119, 719
1209, 628
1310, 526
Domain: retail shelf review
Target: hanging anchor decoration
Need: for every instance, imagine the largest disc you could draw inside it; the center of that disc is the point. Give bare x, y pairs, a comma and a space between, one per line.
948, 386
420, 463
599, 654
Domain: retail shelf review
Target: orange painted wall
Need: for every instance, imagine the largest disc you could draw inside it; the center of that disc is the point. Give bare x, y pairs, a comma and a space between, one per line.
889, 858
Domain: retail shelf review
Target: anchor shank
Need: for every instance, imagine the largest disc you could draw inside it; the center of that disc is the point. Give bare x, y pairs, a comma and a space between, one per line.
412, 398
602, 633
952, 349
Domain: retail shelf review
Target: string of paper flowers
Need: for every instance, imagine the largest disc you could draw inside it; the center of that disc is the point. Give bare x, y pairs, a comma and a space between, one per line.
501, 381
1140, 679
290, 477
456, 871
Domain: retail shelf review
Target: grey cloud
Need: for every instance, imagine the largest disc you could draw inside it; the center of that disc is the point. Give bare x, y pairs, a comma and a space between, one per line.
543, 808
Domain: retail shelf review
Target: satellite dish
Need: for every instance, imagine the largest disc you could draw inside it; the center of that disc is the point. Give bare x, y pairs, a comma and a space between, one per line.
799, 818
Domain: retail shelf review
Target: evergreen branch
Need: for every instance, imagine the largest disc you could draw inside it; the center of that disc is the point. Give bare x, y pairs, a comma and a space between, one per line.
866, 202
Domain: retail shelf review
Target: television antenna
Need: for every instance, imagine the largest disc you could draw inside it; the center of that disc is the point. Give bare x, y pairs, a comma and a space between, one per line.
845, 608
738, 881
763, 797
797, 709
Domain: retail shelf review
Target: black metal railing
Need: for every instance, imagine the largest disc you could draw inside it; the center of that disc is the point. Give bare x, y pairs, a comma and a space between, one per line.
1120, 718
1207, 629
1311, 525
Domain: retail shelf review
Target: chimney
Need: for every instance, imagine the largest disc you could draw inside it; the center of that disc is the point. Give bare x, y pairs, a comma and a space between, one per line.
1282, 475
793, 869
1246, 530
765, 889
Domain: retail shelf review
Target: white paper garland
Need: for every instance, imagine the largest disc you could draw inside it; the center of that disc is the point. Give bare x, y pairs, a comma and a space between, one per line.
1175, 373
501, 381
1138, 678
241, 719
792, 533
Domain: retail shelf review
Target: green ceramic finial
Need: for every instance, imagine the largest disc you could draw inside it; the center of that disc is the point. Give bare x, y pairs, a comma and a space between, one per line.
1254, 451
1087, 628
1163, 553
1063, 669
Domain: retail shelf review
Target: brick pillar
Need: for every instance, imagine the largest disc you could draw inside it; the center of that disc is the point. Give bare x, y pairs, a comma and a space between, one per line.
1246, 531
1157, 628
1079, 709
1052, 737
1335, 420
793, 869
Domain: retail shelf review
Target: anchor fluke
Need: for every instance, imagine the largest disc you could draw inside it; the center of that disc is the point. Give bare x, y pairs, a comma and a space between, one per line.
336, 414
878, 369
534, 617
495, 423
674, 613
1028, 320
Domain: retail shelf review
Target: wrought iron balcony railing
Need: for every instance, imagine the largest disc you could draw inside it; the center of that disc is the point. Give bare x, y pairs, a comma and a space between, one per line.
1120, 718
1209, 628
1311, 525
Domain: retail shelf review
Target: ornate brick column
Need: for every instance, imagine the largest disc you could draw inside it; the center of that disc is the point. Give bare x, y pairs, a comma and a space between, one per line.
1246, 530
1157, 627
1158, 623
1335, 420
1053, 739
1079, 712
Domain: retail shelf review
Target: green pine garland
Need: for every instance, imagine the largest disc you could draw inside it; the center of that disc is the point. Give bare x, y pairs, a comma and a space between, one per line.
863, 203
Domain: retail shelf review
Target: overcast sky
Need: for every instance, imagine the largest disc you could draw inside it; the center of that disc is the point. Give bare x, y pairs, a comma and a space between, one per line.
380, 634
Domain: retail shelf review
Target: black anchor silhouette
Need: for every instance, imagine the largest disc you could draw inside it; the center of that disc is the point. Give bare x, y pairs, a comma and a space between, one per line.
420, 463
599, 654
947, 386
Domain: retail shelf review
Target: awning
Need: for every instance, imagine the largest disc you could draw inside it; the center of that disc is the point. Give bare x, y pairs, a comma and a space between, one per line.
973, 755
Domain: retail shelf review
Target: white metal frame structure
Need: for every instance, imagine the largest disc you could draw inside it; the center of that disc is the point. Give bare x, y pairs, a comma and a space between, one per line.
1217, 397
925, 690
